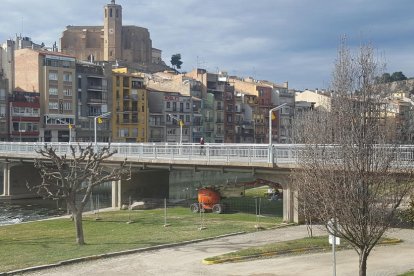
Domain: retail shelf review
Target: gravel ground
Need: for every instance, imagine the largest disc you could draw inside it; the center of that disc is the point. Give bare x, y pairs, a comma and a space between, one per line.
187, 259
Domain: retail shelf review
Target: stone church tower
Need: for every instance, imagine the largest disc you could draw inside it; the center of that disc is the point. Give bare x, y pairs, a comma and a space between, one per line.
130, 45
112, 32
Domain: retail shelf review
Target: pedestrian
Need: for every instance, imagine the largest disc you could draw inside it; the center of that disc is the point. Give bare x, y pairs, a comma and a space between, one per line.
202, 146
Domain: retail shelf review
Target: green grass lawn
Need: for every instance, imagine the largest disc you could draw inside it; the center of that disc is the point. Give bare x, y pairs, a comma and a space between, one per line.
45, 242
411, 273
299, 246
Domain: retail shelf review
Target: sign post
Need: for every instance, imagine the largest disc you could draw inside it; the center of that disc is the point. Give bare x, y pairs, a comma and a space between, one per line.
334, 241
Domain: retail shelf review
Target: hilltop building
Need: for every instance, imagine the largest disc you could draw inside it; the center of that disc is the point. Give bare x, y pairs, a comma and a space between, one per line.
112, 42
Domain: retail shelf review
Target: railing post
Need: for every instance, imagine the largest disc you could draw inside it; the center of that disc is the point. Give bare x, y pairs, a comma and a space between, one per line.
270, 154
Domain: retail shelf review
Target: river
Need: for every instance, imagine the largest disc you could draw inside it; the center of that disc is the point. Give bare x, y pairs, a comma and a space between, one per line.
22, 210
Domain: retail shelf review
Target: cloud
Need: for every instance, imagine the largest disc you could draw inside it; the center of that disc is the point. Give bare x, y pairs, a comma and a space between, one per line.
278, 40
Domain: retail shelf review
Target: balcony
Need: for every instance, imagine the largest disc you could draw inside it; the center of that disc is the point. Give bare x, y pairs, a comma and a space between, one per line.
94, 101
197, 123
157, 137
156, 124
95, 87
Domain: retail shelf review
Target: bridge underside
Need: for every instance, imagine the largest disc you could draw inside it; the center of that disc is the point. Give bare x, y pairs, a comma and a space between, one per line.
152, 180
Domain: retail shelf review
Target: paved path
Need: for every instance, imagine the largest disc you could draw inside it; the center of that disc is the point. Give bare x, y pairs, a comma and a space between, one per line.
186, 260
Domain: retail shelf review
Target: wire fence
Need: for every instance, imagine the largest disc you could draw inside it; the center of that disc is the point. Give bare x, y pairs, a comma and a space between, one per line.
249, 205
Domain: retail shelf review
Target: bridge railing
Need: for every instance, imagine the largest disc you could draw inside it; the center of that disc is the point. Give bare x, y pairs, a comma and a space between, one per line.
245, 154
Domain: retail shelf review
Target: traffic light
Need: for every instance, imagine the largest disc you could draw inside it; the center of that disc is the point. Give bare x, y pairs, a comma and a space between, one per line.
273, 116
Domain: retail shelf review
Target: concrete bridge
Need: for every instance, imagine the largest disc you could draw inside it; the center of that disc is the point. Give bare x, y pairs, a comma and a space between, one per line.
154, 161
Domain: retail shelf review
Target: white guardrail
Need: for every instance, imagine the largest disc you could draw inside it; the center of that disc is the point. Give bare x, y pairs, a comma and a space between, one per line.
243, 154
247, 154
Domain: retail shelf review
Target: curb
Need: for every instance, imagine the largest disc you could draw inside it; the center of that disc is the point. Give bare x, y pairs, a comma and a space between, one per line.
282, 252
114, 254
267, 254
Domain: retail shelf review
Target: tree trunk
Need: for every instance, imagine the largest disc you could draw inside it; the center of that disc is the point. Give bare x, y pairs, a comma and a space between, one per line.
363, 256
79, 228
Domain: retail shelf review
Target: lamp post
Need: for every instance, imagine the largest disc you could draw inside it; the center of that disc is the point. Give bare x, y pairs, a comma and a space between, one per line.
270, 130
254, 130
20, 132
104, 115
181, 123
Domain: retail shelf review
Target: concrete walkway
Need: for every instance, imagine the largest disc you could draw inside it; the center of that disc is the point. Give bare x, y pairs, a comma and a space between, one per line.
187, 260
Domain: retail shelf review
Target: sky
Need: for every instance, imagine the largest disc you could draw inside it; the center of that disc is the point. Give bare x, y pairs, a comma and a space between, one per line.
274, 40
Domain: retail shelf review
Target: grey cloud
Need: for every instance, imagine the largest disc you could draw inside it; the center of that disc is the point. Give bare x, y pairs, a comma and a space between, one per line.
278, 40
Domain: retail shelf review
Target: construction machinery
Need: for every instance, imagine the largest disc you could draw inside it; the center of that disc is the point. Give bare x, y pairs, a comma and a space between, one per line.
209, 198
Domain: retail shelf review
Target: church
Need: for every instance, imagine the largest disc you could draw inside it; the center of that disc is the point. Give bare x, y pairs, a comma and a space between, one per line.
111, 42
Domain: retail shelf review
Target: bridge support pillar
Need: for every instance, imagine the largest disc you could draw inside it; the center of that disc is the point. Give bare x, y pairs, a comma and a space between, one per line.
6, 179
116, 194
288, 204
291, 211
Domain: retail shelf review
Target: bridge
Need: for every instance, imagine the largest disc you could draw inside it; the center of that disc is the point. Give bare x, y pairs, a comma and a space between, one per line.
271, 162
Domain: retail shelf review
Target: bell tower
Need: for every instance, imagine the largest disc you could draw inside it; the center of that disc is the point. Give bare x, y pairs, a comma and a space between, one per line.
112, 32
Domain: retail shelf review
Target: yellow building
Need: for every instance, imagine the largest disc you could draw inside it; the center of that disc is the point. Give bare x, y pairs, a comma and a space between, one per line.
130, 107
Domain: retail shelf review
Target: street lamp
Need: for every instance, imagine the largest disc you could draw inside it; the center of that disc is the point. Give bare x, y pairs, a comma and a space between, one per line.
20, 132
105, 115
270, 130
181, 126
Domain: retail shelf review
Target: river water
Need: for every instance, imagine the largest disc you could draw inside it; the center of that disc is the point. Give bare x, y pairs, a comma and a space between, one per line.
17, 211
22, 210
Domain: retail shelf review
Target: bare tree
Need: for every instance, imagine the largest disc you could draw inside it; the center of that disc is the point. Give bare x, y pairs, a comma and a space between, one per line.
72, 178
350, 173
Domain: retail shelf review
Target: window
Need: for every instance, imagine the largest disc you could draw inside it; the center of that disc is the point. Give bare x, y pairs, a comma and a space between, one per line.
123, 132
53, 91
67, 92
168, 105
53, 105
53, 75
187, 118
110, 12
67, 77
187, 105
67, 106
